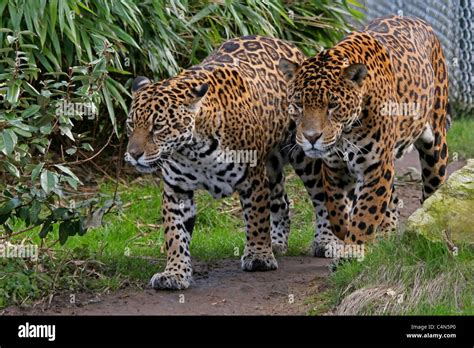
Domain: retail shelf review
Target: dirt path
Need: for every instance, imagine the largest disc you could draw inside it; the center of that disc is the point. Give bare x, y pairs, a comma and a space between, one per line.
222, 288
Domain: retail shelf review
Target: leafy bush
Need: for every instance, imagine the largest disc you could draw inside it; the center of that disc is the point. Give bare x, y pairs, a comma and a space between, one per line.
71, 33
19, 281
65, 68
30, 116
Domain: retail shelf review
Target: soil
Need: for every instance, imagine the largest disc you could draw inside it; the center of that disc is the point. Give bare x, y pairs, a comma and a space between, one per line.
221, 288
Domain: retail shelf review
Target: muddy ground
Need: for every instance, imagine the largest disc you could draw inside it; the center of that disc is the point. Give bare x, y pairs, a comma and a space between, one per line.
221, 288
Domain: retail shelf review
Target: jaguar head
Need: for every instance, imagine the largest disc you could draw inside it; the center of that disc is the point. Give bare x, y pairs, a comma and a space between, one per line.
324, 96
161, 119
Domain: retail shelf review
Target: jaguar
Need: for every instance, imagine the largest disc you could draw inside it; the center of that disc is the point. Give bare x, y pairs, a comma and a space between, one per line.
360, 105
189, 128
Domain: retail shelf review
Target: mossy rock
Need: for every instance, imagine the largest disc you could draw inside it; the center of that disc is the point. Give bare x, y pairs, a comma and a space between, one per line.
450, 208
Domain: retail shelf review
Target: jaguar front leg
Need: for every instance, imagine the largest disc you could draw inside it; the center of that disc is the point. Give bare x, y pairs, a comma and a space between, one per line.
255, 200
279, 204
371, 211
179, 215
311, 172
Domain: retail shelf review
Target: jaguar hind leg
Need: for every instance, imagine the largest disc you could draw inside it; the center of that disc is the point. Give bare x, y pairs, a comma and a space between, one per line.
432, 146
433, 151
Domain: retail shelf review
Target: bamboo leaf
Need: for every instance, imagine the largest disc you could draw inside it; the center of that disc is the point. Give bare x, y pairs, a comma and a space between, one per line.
53, 13
61, 15
110, 109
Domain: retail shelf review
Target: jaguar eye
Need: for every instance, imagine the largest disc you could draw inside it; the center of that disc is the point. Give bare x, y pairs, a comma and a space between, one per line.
156, 127
295, 108
332, 106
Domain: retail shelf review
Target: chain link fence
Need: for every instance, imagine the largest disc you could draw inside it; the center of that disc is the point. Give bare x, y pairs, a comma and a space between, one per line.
453, 22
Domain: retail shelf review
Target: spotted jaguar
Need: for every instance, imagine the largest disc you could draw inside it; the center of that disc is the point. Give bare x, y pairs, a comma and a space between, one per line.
359, 106
189, 128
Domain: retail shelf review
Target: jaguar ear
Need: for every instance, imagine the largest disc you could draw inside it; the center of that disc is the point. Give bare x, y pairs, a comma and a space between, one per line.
288, 68
355, 73
139, 83
197, 93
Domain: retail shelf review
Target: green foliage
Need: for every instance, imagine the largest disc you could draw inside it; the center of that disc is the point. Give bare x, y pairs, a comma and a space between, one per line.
19, 281
35, 109
180, 33
68, 33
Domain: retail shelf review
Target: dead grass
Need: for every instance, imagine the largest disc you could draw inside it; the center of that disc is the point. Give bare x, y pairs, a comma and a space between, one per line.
405, 276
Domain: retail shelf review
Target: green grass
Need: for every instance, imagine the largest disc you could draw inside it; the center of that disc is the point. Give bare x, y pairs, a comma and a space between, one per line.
402, 275
461, 138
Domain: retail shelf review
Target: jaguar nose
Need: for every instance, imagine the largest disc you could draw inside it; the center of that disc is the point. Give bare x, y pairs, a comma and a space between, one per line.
312, 137
135, 153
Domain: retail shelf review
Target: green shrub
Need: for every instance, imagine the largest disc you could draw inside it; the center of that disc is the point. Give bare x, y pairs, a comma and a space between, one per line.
34, 178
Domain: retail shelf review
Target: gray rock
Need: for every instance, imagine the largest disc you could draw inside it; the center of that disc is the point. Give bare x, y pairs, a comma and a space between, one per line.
449, 212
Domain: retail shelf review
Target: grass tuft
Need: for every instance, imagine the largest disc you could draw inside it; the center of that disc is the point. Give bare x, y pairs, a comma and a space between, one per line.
405, 275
